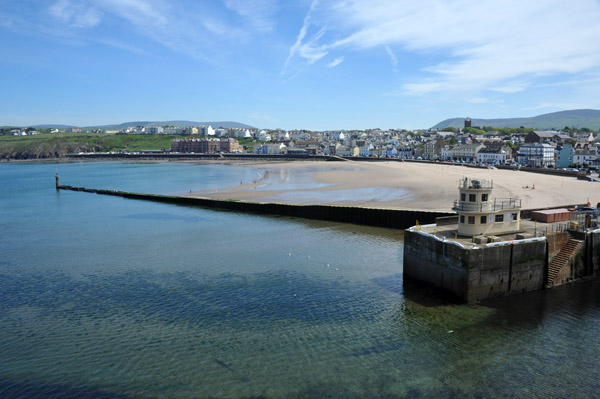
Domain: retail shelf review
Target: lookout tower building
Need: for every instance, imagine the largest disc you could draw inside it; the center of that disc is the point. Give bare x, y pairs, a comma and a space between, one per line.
478, 214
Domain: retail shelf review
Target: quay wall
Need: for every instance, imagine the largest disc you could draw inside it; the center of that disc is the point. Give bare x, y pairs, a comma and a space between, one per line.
478, 273
378, 217
555, 242
592, 255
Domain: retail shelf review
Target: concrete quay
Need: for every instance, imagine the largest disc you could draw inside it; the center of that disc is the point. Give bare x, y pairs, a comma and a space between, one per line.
539, 256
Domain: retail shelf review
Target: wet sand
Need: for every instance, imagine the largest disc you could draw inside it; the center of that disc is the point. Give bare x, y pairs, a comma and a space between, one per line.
403, 185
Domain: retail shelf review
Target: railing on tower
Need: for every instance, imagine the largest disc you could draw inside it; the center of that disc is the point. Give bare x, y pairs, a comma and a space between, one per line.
478, 184
491, 206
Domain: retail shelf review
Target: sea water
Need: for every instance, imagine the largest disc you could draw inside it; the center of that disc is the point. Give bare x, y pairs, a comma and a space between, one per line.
105, 297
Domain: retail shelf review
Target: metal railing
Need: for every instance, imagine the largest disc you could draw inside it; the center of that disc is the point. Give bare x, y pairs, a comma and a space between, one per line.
477, 184
582, 220
491, 206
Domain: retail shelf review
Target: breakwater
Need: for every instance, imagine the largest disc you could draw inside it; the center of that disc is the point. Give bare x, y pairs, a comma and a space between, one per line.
477, 272
377, 217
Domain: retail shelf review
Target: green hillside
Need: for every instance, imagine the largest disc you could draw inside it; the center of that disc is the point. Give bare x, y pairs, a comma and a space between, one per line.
56, 145
577, 119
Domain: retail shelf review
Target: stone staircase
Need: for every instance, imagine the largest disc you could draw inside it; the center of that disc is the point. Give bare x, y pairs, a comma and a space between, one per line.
562, 259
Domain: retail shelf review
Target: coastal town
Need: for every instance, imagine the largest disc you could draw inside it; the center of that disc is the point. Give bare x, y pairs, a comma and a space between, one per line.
527, 147
561, 149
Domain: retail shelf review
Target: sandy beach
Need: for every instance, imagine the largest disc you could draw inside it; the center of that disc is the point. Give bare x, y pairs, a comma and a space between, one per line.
402, 185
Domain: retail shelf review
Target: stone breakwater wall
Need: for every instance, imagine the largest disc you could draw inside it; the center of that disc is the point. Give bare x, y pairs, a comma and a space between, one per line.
378, 217
477, 272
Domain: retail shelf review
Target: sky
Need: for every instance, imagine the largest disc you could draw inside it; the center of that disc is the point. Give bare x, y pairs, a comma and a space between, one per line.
295, 64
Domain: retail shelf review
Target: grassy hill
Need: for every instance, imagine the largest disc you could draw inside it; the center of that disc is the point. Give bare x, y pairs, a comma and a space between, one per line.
578, 119
57, 145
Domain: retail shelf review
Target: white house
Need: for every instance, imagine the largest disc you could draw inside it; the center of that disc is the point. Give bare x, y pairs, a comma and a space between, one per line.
493, 156
272, 149
584, 156
206, 131
539, 155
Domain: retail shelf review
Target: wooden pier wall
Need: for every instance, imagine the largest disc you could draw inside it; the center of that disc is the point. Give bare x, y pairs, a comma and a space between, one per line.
378, 217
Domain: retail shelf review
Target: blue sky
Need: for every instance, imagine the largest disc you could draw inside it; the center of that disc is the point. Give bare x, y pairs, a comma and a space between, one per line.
328, 64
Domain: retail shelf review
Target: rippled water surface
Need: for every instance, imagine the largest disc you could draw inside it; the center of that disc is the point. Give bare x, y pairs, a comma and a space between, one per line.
104, 297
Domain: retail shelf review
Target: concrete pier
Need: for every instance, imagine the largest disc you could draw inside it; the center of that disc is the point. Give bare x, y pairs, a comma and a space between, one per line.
474, 272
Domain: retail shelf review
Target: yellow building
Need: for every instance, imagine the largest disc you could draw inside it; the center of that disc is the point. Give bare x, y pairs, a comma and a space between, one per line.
479, 214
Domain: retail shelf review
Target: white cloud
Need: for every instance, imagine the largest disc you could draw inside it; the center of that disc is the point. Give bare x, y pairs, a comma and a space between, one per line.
259, 13
191, 29
487, 45
335, 62
305, 50
540, 106
75, 14
393, 58
263, 118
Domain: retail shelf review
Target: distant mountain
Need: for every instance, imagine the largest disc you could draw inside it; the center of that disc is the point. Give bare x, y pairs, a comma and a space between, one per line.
49, 126
172, 123
148, 123
577, 118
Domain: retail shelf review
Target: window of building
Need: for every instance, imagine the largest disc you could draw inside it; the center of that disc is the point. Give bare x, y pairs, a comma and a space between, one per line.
472, 197
471, 219
462, 219
499, 218
463, 197
484, 197
514, 216
483, 219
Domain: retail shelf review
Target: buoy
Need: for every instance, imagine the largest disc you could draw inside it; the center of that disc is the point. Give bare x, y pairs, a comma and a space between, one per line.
290, 254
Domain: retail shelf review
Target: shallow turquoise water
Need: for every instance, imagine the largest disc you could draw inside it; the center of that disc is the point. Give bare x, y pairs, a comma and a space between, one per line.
108, 297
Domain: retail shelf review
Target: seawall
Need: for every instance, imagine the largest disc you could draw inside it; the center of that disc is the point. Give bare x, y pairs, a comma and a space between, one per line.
378, 217
477, 272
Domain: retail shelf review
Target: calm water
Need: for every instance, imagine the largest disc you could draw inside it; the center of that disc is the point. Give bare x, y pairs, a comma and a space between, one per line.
105, 297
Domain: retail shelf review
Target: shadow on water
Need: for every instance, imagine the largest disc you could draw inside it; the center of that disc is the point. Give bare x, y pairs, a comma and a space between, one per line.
393, 283
531, 308
30, 389
427, 295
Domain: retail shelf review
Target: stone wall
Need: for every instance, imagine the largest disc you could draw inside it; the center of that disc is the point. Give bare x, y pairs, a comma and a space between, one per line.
555, 242
479, 273
594, 252
440, 263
